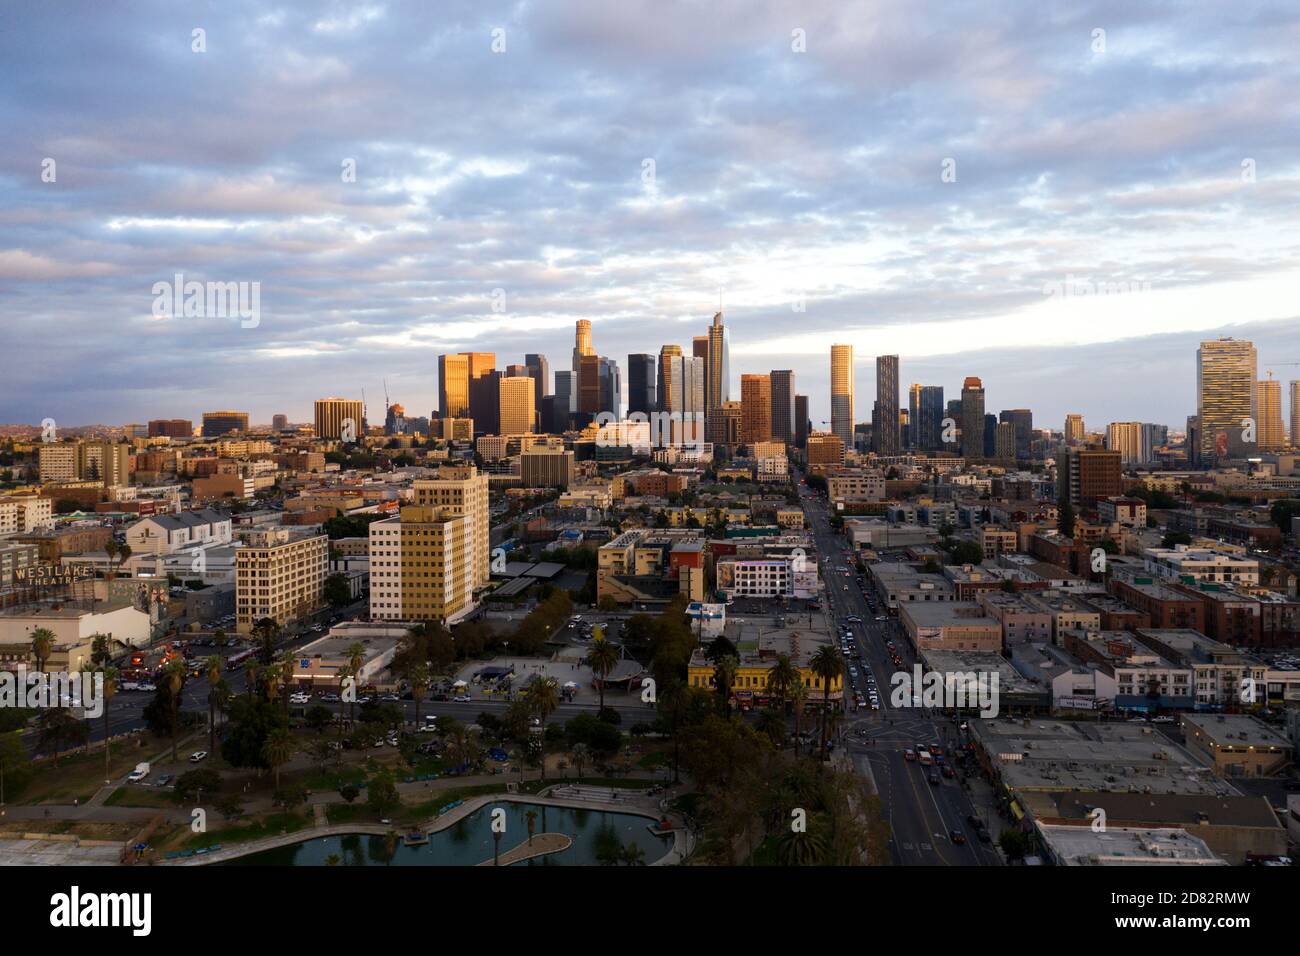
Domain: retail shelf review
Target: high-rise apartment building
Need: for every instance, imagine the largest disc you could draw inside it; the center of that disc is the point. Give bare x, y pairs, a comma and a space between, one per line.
216, 424
461, 490
546, 466
58, 461
641, 384
802, 425
756, 408
1074, 429
884, 426
1268, 408
1090, 474
1132, 440
280, 574
1225, 396
337, 416
517, 414
422, 565
1295, 415
104, 461
842, 393
783, 410
972, 419
279, 423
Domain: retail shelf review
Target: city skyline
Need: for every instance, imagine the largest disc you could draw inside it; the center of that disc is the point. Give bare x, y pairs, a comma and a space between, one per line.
1117, 227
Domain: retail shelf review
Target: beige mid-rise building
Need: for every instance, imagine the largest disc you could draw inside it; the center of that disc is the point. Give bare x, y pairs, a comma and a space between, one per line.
516, 396
422, 565
461, 490
58, 462
279, 573
21, 514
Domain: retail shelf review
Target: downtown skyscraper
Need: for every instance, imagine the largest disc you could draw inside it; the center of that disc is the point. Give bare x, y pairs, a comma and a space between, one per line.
842, 393
925, 415
717, 375
972, 419
783, 413
641, 383
884, 427
1225, 396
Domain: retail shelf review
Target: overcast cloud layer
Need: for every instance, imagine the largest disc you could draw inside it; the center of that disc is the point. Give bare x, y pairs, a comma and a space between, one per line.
780, 178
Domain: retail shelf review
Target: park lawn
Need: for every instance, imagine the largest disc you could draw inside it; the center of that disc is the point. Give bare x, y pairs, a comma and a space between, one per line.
255, 829
78, 776
131, 796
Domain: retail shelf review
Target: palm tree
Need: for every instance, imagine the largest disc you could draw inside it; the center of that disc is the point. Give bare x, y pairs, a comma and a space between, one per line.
781, 678
531, 817
123, 554
266, 631
42, 646
356, 655
212, 673
110, 549
828, 664
419, 678
277, 751
579, 754
805, 848
724, 673
251, 673
284, 669
543, 699
633, 855
110, 688
602, 659
344, 673
174, 677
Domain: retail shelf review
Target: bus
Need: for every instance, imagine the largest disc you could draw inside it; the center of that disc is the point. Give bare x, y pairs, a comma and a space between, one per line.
236, 661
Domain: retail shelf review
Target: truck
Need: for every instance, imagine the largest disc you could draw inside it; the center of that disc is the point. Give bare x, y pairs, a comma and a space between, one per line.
138, 774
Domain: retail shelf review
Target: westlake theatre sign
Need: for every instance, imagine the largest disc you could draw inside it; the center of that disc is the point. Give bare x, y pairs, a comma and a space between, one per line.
49, 575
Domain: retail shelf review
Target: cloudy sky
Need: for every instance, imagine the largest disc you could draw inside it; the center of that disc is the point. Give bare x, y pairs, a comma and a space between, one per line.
1061, 202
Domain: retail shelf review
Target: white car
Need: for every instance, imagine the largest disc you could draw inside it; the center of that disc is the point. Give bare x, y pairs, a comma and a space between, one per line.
198, 756
463, 699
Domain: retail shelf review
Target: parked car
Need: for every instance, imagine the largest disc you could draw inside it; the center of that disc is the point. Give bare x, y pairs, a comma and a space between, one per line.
198, 755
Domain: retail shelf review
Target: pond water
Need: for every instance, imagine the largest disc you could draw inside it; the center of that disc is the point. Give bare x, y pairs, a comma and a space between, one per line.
470, 841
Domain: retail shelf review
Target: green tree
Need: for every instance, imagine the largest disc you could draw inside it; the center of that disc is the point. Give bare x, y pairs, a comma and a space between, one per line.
173, 677
602, 659
42, 646
336, 590
381, 796
827, 663
1065, 515
15, 765
277, 751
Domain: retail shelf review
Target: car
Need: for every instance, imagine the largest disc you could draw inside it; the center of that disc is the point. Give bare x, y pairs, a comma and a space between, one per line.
330, 698
391, 699
974, 821
909, 755
957, 837
463, 699
948, 771
983, 833
934, 779
165, 780
198, 755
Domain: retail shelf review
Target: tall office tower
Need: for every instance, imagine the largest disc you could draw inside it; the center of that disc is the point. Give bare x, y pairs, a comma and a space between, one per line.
485, 401
842, 393
279, 423
515, 400
700, 350
588, 388
972, 419
802, 425
1089, 474
581, 342
173, 427
926, 414
1225, 395
667, 388
216, 424
566, 391
1004, 446
884, 428
480, 363
461, 490
332, 416
914, 415
1023, 420
611, 387
694, 398
717, 374
516, 370
1132, 440
453, 386
990, 435
756, 408
1074, 430
540, 371
1268, 406
783, 414
395, 420
1295, 415
641, 375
